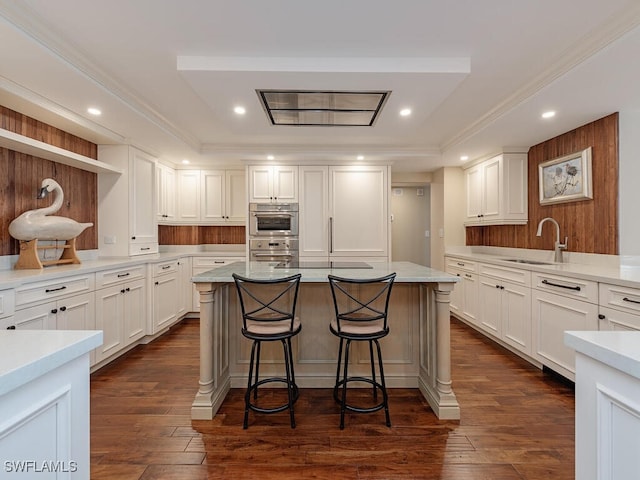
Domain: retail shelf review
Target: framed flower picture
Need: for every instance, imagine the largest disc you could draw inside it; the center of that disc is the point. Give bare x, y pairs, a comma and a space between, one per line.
566, 179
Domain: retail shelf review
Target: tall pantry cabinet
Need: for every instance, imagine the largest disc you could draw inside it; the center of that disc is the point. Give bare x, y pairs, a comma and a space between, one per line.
344, 212
127, 213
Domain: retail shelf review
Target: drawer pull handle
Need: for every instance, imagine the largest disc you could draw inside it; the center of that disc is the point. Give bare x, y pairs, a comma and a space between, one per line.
120, 275
460, 264
49, 290
166, 266
218, 261
568, 287
627, 299
146, 248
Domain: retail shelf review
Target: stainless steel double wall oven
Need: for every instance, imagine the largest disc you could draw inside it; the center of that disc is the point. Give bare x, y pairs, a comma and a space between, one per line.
273, 232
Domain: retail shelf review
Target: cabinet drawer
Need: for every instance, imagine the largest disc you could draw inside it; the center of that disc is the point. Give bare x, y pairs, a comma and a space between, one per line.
569, 287
213, 262
466, 265
165, 267
112, 277
620, 298
514, 275
7, 303
142, 248
32, 293
614, 319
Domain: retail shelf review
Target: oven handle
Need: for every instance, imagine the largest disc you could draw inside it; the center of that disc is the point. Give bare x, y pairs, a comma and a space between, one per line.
272, 255
257, 214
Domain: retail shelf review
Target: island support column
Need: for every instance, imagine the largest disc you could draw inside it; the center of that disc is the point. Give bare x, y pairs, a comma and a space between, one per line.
435, 351
214, 383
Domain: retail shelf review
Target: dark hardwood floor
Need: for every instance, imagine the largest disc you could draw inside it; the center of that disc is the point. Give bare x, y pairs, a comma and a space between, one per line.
517, 423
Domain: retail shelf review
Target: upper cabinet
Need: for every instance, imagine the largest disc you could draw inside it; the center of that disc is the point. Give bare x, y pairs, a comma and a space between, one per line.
344, 211
273, 184
133, 194
211, 197
166, 192
496, 191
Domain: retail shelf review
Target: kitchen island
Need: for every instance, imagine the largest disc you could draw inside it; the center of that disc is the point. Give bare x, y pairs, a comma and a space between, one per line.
416, 352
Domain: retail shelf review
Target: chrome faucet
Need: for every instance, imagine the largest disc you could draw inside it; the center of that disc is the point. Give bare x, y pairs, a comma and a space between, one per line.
558, 247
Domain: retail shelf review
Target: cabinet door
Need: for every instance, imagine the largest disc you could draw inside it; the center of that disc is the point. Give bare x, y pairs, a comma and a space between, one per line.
40, 317
313, 222
212, 191
166, 191
188, 195
285, 184
615, 320
184, 300
236, 196
76, 313
142, 198
490, 311
165, 296
359, 222
473, 179
457, 294
134, 311
552, 316
260, 184
470, 292
516, 316
491, 188
109, 319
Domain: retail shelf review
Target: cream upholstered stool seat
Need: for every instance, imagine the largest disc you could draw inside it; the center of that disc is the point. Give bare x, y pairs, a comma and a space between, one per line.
268, 315
361, 307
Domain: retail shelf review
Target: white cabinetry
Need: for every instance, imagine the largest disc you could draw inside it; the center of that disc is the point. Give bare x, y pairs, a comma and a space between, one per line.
344, 212
223, 196
211, 197
273, 183
167, 294
7, 308
132, 194
121, 308
166, 192
497, 191
184, 300
203, 264
619, 307
559, 304
464, 298
505, 309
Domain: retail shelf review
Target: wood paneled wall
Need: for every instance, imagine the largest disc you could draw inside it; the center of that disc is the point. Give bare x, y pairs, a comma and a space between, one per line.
200, 235
22, 175
591, 225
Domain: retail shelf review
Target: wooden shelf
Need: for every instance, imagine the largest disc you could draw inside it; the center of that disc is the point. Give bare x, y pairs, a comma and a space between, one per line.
27, 145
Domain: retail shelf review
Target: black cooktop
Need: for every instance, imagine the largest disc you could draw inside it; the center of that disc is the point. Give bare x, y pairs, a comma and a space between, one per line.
323, 264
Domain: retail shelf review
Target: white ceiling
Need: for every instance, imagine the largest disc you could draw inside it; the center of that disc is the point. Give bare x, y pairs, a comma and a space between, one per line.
167, 74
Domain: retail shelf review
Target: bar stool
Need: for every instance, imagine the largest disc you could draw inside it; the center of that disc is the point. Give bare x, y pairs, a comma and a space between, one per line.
268, 315
361, 307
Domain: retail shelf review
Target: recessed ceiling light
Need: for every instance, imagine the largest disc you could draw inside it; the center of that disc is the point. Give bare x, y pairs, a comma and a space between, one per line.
549, 114
360, 157
94, 111
405, 112
464, 158
240, 110
185, 162
270, 157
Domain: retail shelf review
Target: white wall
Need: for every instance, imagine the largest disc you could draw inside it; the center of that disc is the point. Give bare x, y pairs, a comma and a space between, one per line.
447, 213
410, 207
629, 176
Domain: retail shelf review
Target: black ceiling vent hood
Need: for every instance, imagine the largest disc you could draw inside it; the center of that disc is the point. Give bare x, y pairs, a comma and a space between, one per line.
310, 108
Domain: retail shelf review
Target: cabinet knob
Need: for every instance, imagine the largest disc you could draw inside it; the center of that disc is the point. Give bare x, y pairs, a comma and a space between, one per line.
601, 316
122, 291
127, 289
157, 283
497, 286
54, 311
133, 238
11, 327
63, 309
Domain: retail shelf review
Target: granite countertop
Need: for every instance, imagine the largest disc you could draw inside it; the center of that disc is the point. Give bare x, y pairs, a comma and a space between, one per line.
28, 354
406, 272
619, 350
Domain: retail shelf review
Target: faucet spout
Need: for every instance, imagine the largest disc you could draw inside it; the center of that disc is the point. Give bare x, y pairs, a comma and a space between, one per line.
558, 247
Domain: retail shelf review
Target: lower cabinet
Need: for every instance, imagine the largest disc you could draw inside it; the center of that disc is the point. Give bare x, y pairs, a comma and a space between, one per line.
560, 304
620, 307
121, 313
464, 298
201, 265
167, 295
72, 313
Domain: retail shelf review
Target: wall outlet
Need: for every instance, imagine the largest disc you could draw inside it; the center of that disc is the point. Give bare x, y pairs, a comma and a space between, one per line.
441, 232
109, 239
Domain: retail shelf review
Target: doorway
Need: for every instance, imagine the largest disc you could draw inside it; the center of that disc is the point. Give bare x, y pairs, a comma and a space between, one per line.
410, 224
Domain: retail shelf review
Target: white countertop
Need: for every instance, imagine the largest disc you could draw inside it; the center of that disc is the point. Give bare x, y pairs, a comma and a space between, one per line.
598, 268
620, 350
28, 354
406, 272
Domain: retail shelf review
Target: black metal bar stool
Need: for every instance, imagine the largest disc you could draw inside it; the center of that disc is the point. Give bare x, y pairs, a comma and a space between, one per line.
361, 307
268, 315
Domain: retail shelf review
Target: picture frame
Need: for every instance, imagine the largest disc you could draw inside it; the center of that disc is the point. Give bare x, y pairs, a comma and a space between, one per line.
566, 179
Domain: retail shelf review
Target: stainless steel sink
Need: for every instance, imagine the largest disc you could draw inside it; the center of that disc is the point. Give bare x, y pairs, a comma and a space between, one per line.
524, 260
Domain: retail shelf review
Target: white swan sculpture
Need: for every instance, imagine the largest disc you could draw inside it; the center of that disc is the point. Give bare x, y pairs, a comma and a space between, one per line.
40, 224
